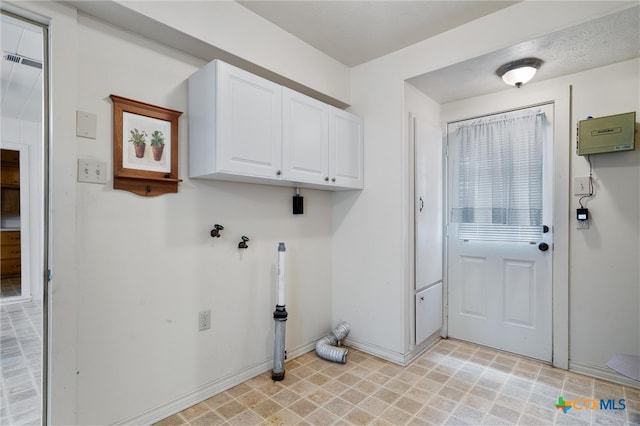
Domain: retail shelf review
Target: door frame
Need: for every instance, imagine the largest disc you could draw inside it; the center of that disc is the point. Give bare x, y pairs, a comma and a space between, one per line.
560, 98
538, 341
35, 19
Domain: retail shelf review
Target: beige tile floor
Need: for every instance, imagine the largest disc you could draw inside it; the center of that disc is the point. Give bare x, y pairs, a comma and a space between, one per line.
453, 383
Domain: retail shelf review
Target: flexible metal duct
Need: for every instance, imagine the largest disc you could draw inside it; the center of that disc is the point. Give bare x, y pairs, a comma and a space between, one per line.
326, 347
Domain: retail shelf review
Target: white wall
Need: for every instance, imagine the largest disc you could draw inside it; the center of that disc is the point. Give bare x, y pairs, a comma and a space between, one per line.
234, 28
131, 273
146, 266
370, 288
604, 279
603, 282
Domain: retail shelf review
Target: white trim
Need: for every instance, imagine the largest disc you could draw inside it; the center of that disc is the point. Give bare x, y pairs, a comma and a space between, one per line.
561, 199
210, 389
395, 357
421, 348
603, 373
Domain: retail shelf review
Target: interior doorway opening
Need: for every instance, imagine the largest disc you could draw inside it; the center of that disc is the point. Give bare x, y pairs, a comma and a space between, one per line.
23, 189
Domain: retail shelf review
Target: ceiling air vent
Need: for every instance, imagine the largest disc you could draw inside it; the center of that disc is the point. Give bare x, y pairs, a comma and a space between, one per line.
19, 59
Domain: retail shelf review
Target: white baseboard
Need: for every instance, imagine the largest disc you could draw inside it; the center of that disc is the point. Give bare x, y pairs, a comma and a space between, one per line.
422, 347
604, 373
375, 350
210, 389
395, 357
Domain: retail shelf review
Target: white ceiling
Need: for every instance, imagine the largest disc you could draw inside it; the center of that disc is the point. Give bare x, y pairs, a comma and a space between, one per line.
21, 85
354, 32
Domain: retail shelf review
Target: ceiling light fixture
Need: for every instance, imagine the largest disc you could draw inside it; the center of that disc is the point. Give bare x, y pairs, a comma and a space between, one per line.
518, 72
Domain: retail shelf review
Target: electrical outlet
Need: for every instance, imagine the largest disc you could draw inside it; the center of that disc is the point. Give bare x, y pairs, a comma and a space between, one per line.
581, 186
582, 224
92, 171
204, 320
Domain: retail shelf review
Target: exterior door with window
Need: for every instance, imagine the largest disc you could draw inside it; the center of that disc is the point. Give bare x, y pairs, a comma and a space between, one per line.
500, 231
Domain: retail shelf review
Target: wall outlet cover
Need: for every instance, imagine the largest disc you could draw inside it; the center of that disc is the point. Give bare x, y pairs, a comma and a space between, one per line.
86, 124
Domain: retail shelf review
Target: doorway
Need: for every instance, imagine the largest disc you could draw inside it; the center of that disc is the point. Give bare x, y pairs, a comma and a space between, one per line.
23, 151
500, 235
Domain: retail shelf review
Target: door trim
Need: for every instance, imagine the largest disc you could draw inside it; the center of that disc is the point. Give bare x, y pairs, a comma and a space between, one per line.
43, 22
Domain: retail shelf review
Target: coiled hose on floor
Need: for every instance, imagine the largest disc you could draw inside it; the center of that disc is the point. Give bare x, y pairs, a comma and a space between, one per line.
326, 347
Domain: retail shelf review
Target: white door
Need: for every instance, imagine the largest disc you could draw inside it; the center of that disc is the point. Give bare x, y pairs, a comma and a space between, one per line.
500, 232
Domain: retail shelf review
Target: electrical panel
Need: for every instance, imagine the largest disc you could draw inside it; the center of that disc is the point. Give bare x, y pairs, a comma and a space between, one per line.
614, 133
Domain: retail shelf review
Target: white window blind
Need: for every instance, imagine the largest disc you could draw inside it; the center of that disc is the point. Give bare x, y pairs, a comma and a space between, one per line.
498, 177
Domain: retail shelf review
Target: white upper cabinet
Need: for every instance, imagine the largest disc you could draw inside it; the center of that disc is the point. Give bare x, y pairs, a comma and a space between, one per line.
305, 138
245, 128
345, 149
235, 124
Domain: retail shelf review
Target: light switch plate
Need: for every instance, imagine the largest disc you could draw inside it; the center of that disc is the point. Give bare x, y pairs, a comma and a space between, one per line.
92, 171
86, 124
581, 186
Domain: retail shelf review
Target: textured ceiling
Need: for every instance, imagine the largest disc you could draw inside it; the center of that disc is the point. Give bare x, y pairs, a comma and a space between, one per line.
354, 32
21, 85
607, 40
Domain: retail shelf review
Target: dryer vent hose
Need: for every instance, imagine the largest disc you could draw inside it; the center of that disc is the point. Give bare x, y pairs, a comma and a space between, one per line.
330, 348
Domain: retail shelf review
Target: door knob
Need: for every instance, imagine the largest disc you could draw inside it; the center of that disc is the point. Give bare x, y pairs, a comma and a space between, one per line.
543, 246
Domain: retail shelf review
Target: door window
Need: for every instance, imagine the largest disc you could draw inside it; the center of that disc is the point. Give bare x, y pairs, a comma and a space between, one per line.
498, 177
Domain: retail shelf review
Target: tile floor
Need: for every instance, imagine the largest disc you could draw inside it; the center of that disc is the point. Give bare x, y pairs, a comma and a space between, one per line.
20, 363
453, 383
10, 287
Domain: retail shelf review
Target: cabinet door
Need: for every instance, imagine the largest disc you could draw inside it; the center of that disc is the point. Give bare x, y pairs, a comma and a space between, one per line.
428, 204
305, 138
345, 150
249, 123
428, 312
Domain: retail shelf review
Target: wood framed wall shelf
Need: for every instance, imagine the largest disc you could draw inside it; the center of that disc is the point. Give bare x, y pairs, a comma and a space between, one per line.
145, 147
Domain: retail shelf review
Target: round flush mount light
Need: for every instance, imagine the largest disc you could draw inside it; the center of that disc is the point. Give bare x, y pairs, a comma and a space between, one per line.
519, 72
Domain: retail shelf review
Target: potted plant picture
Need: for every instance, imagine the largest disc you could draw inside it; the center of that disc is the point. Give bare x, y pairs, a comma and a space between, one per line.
157, 144
138, 138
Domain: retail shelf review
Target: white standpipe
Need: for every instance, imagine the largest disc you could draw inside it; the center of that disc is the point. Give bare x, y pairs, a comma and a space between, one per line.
280, 318
280, 284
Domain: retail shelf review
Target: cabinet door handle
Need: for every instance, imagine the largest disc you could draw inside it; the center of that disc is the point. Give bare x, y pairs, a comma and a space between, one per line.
421, 204
278, 172
333, 179
326, 178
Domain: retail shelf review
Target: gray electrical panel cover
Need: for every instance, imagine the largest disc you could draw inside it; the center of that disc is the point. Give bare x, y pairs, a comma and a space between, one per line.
614, 133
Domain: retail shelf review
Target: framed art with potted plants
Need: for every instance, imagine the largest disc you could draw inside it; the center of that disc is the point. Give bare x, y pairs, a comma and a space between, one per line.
145, 147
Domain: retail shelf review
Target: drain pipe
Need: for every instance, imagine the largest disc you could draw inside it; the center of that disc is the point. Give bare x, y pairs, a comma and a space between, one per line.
279, 316
326, 347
